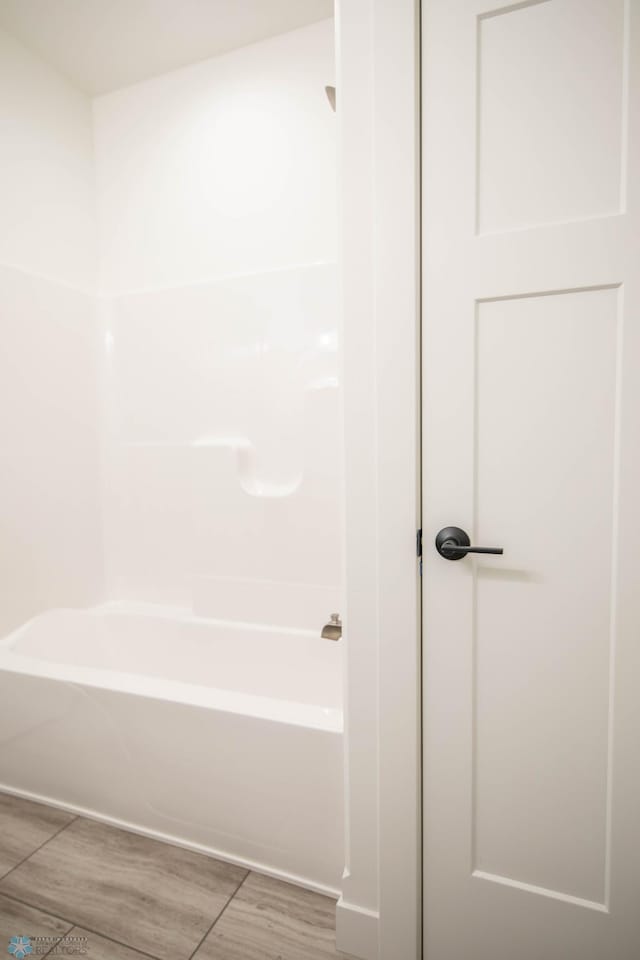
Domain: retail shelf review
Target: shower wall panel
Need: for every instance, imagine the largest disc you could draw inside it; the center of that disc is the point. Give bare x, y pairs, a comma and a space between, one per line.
224, 444
50, 532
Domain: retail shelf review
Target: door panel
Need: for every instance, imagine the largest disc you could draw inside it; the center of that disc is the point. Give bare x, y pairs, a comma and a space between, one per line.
544, 488
531, 433
550, 81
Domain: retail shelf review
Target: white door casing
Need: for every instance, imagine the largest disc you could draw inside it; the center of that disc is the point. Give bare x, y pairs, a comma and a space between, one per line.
531, 442
379, 912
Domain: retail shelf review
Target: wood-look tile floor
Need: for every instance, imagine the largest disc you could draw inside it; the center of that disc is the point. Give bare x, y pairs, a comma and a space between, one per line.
131, 897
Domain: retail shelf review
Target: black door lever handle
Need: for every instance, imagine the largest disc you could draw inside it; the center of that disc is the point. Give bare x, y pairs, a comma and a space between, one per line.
453, 543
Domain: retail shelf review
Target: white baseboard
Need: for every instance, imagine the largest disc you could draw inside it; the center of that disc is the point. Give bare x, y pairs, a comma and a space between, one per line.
357, 930
174, 841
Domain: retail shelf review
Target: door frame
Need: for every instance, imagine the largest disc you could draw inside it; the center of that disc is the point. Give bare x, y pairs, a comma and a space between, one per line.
378, 79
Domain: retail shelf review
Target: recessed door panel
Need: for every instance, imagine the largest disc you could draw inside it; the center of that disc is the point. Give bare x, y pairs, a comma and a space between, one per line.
546, 387
551, 79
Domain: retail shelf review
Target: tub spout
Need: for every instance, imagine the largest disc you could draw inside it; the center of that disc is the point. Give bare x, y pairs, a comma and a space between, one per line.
333, 629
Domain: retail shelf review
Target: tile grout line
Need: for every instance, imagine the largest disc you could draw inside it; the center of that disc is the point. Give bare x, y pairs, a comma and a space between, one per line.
229, 901
65, 934
82, 926
127, 946
45, 910
33, 852
33, 906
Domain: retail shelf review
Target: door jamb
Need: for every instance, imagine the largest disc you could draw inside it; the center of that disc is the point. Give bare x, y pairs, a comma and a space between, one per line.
378, 54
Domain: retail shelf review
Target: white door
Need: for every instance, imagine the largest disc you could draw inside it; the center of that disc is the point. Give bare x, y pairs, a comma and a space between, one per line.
531, 140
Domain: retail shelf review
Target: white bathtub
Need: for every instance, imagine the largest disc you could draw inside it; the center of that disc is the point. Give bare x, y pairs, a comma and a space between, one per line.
220, 737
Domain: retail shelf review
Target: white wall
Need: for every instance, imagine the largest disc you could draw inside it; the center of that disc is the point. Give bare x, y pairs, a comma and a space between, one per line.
218, 234
46, 170
50, 551
227, 166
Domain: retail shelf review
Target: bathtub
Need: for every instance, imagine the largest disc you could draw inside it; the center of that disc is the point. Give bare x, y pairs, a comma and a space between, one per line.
221, 737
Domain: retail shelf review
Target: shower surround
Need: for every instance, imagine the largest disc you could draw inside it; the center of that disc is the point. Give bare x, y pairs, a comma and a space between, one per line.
189, 399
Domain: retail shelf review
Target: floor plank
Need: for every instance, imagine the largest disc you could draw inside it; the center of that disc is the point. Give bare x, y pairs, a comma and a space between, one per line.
19, 920
271, 920
147, 894
24, 826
